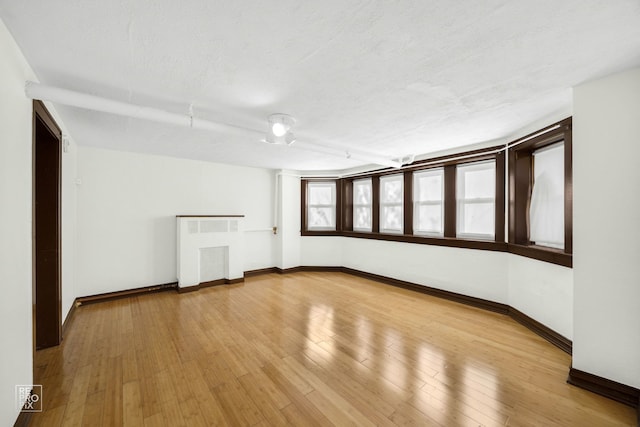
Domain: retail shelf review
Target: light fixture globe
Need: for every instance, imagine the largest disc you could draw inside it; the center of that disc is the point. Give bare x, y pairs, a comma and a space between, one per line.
280, 129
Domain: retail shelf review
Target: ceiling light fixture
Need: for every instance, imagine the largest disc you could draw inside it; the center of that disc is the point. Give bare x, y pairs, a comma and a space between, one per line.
280, 129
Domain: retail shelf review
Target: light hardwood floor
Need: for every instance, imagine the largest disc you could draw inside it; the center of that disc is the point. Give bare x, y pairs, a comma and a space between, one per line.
308, 349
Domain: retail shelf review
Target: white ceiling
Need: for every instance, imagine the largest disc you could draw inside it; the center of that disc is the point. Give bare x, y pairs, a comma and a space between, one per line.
387, 77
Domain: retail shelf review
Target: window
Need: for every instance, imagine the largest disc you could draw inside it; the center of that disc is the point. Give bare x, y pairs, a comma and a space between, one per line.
321, 205
459, 200
476, 200
540, 195
420, 204
391, 204
362, 205
546, 212
428, 206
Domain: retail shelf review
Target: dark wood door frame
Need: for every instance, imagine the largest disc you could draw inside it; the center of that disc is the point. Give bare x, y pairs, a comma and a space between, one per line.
46, 226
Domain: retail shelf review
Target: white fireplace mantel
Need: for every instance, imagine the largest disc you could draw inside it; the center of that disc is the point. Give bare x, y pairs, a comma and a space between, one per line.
209, 248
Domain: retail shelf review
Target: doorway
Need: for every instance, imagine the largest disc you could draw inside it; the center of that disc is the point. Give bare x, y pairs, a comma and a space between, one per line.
47, 295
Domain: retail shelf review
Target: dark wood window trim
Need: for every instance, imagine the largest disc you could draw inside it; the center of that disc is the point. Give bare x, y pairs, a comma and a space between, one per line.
520, 186
500, 196
346, 213
304, 223
518, 178
408, 207
345, 210
450, 205
375, 205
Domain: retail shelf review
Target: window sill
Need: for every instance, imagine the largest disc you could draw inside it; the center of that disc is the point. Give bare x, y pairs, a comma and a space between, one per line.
424, 240
554, 256
320, 233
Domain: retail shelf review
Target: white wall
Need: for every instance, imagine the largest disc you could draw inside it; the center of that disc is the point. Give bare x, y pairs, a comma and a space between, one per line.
69, 220
288, 239
16, 364
325, 251
126, 208
606, 132
542, 291
470, 272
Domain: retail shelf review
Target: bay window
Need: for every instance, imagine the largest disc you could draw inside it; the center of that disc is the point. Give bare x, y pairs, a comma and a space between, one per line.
459, 200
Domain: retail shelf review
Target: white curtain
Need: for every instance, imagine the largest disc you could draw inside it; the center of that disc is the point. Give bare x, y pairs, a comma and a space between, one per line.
546, 213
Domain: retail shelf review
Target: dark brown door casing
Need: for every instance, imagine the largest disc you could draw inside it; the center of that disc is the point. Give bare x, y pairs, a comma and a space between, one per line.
47, 265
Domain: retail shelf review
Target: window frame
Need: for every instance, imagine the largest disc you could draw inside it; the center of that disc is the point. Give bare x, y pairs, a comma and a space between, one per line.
476, 236
520, 188
534, 158
514, 196
449, 239
359, 205
382, 204
417, 203
336, 206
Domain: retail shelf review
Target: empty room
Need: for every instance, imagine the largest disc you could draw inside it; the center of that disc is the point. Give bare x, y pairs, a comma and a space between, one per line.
320, 213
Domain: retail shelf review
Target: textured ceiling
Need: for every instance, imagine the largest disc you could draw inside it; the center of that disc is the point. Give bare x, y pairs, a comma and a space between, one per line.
386, 77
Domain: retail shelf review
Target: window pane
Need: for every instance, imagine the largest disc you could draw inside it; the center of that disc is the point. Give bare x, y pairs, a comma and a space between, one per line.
476, 180
392, 218
321, 205
362, 192
362, 200
321, 217
428, 186
362, 218
475, 194
391, 189
321, 193
546, 213
477, 218
391, 197
428, 219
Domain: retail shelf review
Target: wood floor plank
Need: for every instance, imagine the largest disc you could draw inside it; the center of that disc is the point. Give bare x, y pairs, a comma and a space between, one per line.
210, 408
112, 414
93, 408
326, 398
50, 418
191, 415
237, 405
296, 389
257, 390
76, 405
312, 349
132, 414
